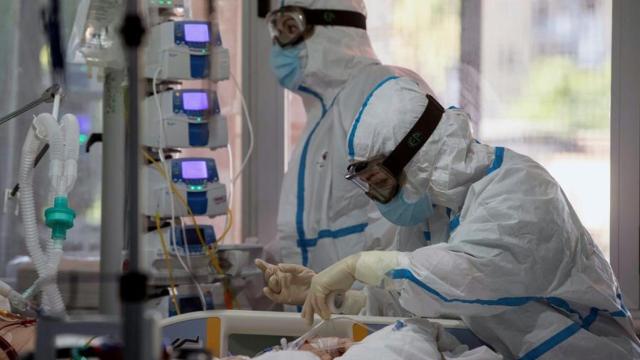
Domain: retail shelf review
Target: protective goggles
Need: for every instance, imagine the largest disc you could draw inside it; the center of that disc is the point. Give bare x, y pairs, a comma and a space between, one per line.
290, 25
380, 177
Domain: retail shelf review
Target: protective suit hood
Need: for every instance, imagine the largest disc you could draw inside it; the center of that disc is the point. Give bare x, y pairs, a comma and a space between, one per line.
446, 165
333, 54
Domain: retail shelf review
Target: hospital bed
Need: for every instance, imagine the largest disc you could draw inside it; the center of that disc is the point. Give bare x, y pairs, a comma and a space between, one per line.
241, 332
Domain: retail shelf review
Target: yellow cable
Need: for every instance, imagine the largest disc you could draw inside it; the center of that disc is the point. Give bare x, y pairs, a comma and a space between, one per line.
228, 227
167, 260
214, 260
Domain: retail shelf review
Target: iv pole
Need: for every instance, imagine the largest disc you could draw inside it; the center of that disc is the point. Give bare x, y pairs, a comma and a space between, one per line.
136, 329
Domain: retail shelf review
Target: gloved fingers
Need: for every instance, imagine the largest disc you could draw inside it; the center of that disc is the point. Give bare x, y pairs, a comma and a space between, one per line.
269, 270
275, 297
307, 311
270, 294
320, 306
274, 284
292, 268
285, 281
263, 265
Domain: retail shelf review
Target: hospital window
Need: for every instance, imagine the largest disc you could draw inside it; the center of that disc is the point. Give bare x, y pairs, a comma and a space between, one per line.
537, 81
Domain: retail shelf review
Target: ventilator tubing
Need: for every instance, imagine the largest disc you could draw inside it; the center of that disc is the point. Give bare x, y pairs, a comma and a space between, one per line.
16, 300
63, 154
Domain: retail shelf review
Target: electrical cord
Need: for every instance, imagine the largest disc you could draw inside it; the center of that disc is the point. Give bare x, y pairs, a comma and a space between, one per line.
163, 143
249, 128
231, 185
214, 260
233, 176
211, 253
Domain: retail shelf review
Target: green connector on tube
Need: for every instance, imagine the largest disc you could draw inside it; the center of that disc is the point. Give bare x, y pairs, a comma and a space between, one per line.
59, 218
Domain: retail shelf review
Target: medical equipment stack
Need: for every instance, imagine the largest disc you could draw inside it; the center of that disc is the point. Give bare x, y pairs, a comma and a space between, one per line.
182, 116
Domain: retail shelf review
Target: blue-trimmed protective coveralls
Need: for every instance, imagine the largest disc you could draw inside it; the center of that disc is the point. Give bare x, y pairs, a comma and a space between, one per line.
322, 217
517, 265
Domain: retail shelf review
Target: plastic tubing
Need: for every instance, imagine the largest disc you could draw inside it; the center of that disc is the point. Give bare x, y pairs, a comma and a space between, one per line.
71, 133
44, 127
14, 297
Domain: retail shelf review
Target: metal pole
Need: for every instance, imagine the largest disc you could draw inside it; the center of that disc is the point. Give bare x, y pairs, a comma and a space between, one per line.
471, 61
133, 284
113, 208
264, 96
47, 96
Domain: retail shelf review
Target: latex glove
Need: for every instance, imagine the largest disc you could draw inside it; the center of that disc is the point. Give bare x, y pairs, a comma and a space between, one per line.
349, 303
286, 283
269, 272
368, 267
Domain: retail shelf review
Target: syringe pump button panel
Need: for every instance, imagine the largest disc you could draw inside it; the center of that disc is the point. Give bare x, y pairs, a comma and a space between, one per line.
178, 50
191, 119
197, 183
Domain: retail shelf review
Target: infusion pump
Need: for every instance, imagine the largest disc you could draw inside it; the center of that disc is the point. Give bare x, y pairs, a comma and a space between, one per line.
191, 118
183, 50
196, 182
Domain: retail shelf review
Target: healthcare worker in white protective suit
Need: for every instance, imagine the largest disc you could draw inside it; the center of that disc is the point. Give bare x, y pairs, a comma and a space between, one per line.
518, 267
322, 52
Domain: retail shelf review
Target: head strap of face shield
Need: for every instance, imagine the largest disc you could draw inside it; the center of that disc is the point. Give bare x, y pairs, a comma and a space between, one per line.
415, 138
328, 17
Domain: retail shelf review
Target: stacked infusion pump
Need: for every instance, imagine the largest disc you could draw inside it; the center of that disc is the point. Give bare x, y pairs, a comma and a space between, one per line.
180, 117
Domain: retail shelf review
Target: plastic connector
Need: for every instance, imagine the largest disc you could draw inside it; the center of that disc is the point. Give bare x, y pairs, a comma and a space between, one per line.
59, 218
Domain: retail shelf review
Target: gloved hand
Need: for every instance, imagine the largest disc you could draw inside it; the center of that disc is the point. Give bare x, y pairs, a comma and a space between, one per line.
368, 267
269, 272
286, 283
349, 303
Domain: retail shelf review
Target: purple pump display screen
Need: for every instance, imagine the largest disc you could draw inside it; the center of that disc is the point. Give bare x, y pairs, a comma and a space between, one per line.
195, 101
193, 170
196, 32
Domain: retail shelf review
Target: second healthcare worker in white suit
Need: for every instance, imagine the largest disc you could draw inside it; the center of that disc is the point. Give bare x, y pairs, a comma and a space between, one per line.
322, 52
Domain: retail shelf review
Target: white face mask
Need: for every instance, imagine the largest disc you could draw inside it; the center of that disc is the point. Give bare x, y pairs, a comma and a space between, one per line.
403, 213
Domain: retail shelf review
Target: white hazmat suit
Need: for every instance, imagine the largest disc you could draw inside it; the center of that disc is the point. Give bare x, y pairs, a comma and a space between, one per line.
323, 218
518, 266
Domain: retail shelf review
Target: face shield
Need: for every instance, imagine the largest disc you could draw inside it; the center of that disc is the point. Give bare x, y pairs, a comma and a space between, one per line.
380, 177
290, 25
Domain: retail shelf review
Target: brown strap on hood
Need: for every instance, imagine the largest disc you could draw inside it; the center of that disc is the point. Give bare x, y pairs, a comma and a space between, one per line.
415, 138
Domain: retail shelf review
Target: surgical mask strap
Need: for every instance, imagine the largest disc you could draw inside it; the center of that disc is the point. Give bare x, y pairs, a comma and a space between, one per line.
415, 138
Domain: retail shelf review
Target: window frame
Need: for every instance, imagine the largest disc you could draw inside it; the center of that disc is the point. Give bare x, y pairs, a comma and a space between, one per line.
265, 169
625, 151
